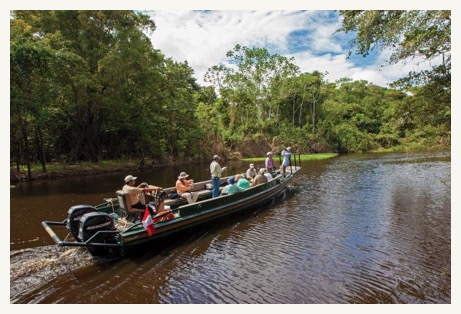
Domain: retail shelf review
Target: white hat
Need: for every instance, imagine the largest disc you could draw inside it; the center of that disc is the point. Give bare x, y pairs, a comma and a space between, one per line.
288, 148
252, 166
129, 178
183, 175
262, 170
269, 153
216, 157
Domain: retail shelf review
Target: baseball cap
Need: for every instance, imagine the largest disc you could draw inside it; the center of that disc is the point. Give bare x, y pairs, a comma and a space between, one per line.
129, 178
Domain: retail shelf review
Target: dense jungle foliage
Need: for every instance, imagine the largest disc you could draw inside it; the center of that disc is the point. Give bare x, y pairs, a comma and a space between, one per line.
89, 86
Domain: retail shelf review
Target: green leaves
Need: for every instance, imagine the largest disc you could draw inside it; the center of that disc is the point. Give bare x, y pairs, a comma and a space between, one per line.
89, 85
248, 85
408, 34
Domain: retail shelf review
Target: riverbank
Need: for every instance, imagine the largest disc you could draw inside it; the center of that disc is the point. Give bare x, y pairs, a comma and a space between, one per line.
57, 170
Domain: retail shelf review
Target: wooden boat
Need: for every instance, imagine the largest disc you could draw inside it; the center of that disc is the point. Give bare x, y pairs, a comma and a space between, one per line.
107, 228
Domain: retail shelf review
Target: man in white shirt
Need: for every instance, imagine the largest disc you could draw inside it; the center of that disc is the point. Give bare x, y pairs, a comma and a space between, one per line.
251, 172
216, 170
135, 191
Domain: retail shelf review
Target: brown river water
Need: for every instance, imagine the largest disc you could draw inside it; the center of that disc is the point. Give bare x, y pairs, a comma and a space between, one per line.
368, 228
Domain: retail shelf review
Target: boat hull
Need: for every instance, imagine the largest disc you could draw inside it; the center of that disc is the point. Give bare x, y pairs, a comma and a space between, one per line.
207, 211
123, 241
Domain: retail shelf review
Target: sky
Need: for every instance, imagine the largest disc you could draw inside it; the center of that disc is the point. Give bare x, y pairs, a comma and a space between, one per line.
202, 38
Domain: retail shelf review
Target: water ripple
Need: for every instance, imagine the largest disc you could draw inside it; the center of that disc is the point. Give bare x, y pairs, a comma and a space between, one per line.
371, 228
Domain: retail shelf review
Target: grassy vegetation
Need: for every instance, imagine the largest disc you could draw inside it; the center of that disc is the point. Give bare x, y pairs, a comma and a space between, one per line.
303, 157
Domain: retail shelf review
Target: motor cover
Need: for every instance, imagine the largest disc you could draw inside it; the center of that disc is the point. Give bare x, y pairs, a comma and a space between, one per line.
73, 219
92, 222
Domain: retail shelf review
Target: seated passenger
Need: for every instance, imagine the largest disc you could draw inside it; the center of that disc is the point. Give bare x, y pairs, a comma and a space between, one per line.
184, 187
260, 177
231, 188
251, 172
267, 174
134, 192
242, 182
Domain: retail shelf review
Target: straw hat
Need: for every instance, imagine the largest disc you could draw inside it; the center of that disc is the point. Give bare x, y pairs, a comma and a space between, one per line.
183, 175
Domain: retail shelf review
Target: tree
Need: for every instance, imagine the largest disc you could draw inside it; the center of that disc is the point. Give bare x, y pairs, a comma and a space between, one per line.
29, 77
412, 35
247, 85
408, 34
100, 60
305, 90
179, 103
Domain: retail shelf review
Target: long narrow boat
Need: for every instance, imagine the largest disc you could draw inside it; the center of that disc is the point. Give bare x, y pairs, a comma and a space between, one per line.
108, 228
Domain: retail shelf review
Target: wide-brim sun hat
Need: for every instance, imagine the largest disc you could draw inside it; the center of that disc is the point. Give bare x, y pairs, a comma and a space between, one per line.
128, 178
262, 170
183, 175
269, 153
288, 148
216, 157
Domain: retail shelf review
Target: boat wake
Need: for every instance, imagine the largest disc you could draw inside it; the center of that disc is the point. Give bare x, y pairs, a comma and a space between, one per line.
34, 267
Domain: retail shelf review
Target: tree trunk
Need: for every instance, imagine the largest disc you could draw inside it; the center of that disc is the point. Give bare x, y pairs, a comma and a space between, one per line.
26, 152
41, 151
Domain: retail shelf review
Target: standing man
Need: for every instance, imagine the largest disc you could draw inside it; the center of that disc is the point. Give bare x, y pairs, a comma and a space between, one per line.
286, 153
216, 170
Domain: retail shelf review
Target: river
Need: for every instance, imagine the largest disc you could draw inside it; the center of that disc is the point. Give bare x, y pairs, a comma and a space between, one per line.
361, 228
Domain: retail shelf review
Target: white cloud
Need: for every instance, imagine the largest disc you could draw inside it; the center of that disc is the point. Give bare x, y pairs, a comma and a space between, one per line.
203, 39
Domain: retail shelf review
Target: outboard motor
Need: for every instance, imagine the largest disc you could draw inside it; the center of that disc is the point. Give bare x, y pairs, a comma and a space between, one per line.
73, 219
90, 224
